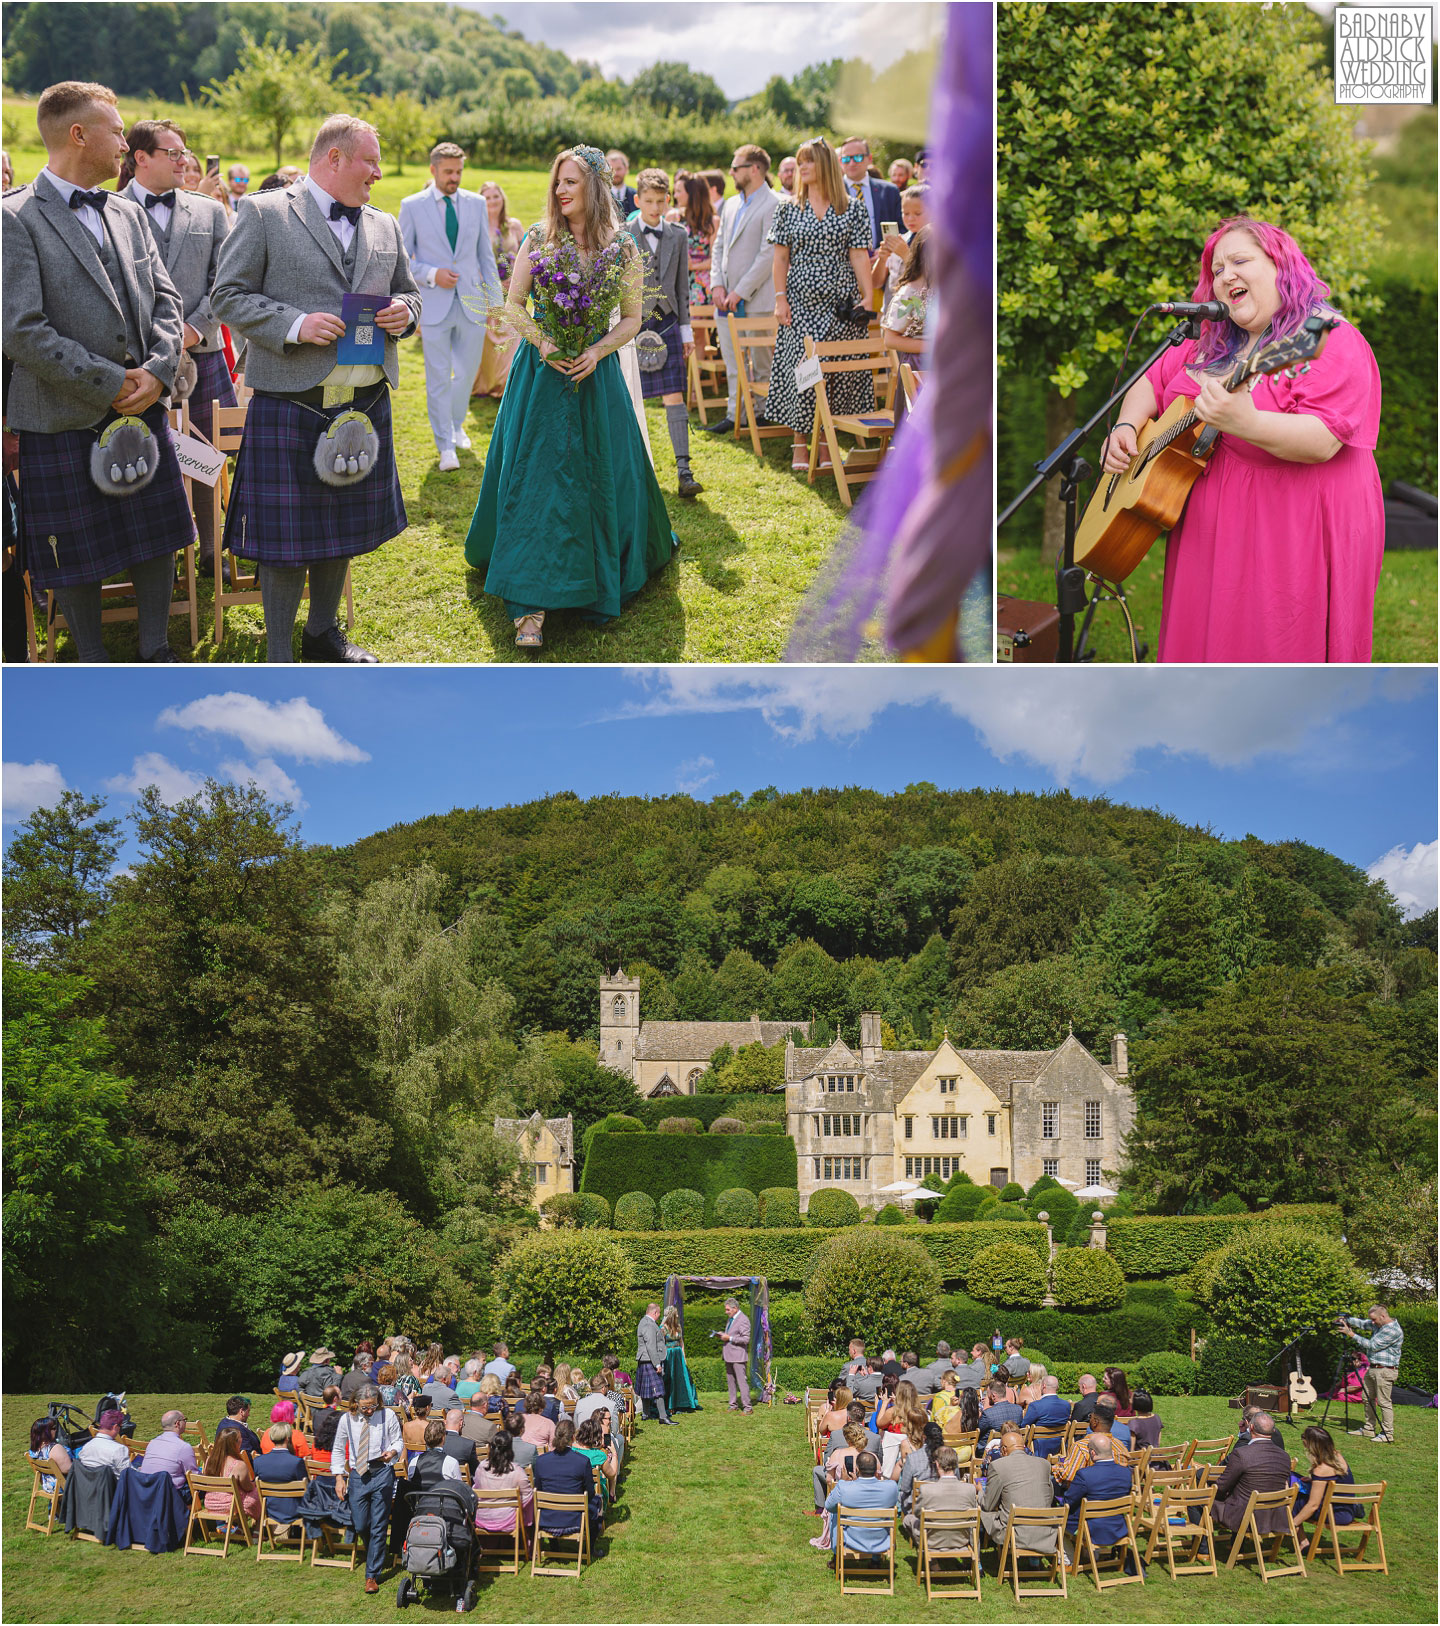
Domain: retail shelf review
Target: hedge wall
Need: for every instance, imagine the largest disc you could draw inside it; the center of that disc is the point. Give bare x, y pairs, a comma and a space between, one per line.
1403, 339
706, 1163
707, 1108
783, 1256
1146, 1323
1167, 1245
1418, 1354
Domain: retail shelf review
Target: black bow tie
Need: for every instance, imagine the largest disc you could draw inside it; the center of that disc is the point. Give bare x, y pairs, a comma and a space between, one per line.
351, 211
652, 232
157, 198
95, 200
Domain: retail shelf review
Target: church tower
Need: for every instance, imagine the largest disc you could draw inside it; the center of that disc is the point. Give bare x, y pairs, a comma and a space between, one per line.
619, 1021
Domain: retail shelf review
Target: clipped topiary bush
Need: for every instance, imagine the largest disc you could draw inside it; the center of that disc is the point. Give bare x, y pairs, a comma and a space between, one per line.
1008, 1275
1228, 1362
737, 1207
729, 1126
882, 1288
577, 1211
1277, 1277
832, 1206
1012, 1192
1229, 1204
780, 1208
960, 1203
635, 1211
1165, 1373
679, 1126
1086, 1279
1004, 1211
682, 1210
1046, 1182
564, 1289
890, 1214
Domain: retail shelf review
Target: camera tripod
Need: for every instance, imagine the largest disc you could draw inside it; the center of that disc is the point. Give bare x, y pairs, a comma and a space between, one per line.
1349, 1362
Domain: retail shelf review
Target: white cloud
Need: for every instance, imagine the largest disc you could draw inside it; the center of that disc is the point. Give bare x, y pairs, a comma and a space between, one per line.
266, 775
288, 728
174, 784
1412, 874
30, 785
1076, 723
692, 776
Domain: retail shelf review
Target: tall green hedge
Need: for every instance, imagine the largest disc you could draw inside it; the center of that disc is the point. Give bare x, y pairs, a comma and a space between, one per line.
784, 1256
1418, 1354
705, 1163
1151, 1319
1165, 1246
1403, 339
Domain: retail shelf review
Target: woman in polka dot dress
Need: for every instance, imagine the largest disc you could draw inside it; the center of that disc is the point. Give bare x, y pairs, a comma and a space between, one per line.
822, 261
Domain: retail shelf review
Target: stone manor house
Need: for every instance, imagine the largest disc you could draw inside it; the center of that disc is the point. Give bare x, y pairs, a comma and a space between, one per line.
864, 1119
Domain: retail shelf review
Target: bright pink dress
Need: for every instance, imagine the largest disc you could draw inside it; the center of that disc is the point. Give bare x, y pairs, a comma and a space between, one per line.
1277, 561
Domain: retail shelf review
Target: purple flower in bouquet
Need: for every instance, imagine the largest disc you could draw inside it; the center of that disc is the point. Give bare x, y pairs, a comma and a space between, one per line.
574, 299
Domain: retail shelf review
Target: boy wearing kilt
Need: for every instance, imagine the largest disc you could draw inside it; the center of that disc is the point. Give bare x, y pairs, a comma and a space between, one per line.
315, 481
188, 229
665, 339
92, 325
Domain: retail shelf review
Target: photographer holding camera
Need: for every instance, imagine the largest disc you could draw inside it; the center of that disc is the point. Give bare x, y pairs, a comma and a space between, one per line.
1383, 1348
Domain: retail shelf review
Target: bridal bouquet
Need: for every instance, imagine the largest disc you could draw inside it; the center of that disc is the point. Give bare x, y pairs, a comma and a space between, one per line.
574, 300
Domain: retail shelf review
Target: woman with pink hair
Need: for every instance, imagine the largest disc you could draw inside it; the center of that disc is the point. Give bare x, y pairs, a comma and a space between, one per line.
1277, 554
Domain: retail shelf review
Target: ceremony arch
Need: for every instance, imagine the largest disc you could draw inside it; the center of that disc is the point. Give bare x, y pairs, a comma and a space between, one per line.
757, 1368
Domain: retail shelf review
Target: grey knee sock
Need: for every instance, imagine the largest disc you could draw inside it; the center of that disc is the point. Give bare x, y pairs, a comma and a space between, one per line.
327, 583
281, 587
154, 587
677, 421
81, 608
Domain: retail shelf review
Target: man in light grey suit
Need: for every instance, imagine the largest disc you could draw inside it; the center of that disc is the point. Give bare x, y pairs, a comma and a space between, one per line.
188, 229
1017, 1480
741, 266
92, 324
446, 232
736, 1354
291, 257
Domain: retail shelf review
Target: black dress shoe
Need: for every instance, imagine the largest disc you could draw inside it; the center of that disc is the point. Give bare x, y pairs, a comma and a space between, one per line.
207, 568
333, 645
726, 426
689, 485
162, 657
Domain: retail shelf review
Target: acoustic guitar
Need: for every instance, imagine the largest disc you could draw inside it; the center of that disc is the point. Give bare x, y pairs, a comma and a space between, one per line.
1127, 512
1302, 1389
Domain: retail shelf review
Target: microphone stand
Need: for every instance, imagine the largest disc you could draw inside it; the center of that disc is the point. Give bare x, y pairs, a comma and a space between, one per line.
1067, 462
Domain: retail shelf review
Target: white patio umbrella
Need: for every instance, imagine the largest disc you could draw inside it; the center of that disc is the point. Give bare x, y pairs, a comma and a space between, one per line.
920, 1194
1060, 1180
1096, 1191
900, 1185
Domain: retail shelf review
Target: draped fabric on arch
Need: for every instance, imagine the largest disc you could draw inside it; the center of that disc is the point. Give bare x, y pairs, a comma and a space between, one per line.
758, 1365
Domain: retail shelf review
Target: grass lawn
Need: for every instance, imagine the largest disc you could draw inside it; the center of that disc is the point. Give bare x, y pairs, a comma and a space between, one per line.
749, 546
1405, 603
712, 1525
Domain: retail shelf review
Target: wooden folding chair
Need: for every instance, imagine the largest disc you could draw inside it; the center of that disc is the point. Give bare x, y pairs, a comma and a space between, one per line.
964, 1523
553, 1502
748, 335
231, 1521
912, 381
1110, 1571
853, 1568
1364, 1502
226, 433
136, 1448
840, 358
280, 1527
1052, 1439
1276, 1501
1035, 1518
707, 367
1180, 1526
304, 1406
194, 1431
500, 1501
1204, 1453
38, 1493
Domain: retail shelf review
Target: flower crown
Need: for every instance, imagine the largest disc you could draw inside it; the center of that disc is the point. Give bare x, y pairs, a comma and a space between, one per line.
593, 157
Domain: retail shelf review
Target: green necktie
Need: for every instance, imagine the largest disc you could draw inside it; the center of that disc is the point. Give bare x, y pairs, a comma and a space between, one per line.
452, 222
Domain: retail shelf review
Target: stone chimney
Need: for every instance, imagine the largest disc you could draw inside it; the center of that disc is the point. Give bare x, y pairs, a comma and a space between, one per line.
1120, 1055
869, 1038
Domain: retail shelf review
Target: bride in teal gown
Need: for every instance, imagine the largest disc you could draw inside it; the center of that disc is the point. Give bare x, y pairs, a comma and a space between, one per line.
570, 514
679, 1388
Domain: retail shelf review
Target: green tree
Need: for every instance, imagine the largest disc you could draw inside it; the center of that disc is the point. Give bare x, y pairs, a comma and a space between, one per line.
408, 127
1021, 909
1392, 1229
752, 1069
57, 877
1085, 243
1278, 1278
565, 1290
807, 981
1184, 964
672, 87
740, 988
274, 88
582, 1085
1034, 1006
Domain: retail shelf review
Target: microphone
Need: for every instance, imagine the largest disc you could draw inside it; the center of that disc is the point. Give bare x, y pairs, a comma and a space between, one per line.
1210, 309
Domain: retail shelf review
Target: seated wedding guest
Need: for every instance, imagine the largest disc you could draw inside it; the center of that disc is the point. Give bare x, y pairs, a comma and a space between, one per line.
430, 1363
1016, 1480
1015, 1363
865, 1492
900, 172
499, 1365
413, 1428
946, 1492
908, 1421
1034, 1386
1327, 1467
918, 1464
324, 1422
611, 1367
939, 1366
561, 1378
1105, 1407
170, 1453
320, 1374
456, 1445
440, 1390
500, 1472
525, 1451
105, 1448
1145, 1426
1117, 1385
469, 1380
884, 1402
602, 1398
435, 1466
946, 1402
591, 1443
289, 1380
1081, 1454
919, 1377
999, 1412
281, 1464
1258, 1466
563, 1471
385, 1377
535, 1425
1049, 1411
477, 1425
406, 1383
226, 1460
283, 1411
840, 1463
865, 1385
237, 1416
45, 1446
1087, 1389
1102, 1480
834, 1415
357, 1377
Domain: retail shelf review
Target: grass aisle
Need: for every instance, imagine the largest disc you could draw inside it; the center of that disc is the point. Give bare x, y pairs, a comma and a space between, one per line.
711, 1526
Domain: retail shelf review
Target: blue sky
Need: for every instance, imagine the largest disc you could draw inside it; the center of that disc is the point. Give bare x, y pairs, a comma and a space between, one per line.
1343, 759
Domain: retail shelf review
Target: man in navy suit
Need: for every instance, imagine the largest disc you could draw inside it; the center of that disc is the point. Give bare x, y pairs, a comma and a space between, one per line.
998, 1413
881, 199
1102, 1481
1049, 1411
624, 195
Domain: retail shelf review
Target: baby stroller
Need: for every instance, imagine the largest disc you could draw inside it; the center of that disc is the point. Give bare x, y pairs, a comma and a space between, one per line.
440, 1547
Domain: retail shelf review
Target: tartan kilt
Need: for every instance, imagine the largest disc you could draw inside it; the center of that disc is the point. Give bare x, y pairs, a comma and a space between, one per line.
649, 1381
282, 513
95, 536
213, 384
669, 379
